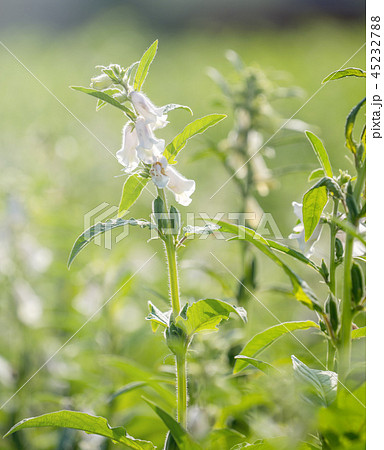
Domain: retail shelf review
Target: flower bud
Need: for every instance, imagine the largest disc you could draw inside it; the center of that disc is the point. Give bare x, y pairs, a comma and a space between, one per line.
101, 82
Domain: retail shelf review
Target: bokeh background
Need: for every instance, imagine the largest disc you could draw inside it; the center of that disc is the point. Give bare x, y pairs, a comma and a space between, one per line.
55, 167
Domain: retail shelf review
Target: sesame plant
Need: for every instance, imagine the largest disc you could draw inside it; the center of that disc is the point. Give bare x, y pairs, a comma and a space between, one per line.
335, 200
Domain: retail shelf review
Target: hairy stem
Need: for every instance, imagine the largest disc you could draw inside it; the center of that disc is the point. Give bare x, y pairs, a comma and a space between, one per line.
181, 366
173, 275
332, 261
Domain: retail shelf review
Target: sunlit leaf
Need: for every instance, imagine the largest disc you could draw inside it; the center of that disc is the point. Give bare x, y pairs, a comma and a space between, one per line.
348, 72
263, 340
101, 95
132, 189
321, 384
198, 126
84, 422
180, 435
209, 228
205, 315
157, 317
314, 202
143, 68
100, 228
315, 174
349, 125
301, 290
173, 106
359, 333
321, 153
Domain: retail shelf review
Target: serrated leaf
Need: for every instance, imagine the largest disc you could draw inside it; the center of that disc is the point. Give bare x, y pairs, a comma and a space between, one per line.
261, 365
180, 435
316, 173
100, 228
205, 315
143, 68
349, 125
348, 72
263, 340
321, 153
359, 333
132, 189
301, 290
314, 202
84, 422
321, 383
101, 95
172, 106
198, 126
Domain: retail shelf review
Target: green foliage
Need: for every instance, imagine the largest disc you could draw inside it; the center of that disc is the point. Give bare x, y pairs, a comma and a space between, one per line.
143, 68
301, 290
349, 126
198, 126
105, 97
261, 365
263, 340
84, 422
320, 384
205, 315
349, 72
157, 317
209, 228
321, 153
314, 202
180, 435
100, 228
132, 190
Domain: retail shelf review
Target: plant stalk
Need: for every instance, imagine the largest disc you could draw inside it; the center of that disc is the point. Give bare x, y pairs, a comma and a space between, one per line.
181, 367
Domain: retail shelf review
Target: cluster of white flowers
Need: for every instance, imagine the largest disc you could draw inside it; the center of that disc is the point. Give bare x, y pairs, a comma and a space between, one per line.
140, 145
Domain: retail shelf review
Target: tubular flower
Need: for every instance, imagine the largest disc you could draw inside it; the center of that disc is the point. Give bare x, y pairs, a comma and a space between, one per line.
127, 155
306, 247
164, 175
148, 146
145, 108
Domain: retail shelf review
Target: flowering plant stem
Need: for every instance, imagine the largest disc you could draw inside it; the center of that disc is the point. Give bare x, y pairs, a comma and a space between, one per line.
344, 347
181, 362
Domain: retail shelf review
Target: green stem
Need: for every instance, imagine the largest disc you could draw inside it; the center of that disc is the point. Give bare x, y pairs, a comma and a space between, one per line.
181, 366
173, 275
332, 261
344, 350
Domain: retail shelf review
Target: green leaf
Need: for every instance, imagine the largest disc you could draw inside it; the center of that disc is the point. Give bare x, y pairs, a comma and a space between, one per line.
180, 435
359, 333
145, 62
157, 317
292, 252
84, 422
349, 125
316, 173
222, 438
100, 228
205, 315
301, 290
322, 384
263, 340
349, 72
172, 106
101, 95
314, 202
198, 126
321, 153
132, 189
261, 365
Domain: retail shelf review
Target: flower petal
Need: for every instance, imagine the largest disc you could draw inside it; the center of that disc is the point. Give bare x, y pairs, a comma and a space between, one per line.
180, 186
153, 116
127, 155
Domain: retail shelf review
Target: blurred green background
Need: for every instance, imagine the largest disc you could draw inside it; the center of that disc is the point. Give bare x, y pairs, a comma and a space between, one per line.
55, 168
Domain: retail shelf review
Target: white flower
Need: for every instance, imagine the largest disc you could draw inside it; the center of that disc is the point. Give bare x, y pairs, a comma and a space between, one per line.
101, 82
306, 247
127, 155
164, 175
149, 147
358, 247
145, 108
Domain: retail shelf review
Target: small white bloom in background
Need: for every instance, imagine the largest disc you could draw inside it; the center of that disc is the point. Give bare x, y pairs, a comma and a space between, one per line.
306, 247
149, 147
127, 155
164, 175
358, 247
145, 108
